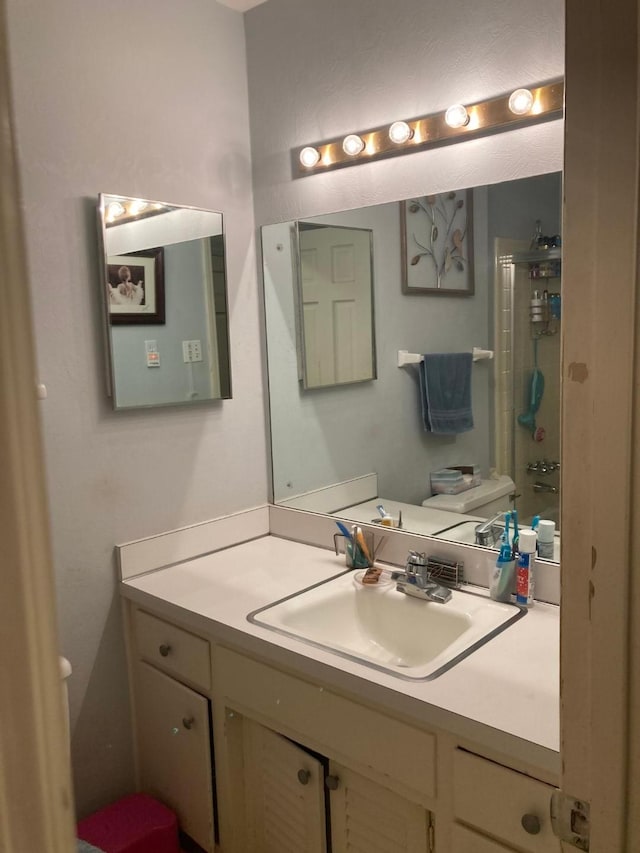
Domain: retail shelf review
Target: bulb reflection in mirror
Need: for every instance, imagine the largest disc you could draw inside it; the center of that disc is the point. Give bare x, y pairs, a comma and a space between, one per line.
309, 157
520, 102
400, 132
352, 144
457, 116
137, 206
114, 210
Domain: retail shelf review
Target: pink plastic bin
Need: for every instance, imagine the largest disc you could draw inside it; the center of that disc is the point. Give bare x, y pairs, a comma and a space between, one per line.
134, 824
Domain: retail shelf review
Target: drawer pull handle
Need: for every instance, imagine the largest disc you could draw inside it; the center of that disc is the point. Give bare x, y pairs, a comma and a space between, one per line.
332, 782
531, 824
164, 649
188, 722
303, 777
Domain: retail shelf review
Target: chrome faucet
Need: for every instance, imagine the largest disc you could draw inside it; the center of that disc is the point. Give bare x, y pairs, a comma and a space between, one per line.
417, 580
490, 531
543, 466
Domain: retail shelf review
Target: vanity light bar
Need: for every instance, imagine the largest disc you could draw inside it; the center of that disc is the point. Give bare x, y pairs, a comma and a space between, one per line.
461, 121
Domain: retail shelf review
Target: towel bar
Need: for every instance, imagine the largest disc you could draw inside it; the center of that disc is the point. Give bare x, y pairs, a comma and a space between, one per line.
406, 357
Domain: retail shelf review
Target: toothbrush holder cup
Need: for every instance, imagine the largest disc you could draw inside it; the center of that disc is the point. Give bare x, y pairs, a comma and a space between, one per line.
353, 554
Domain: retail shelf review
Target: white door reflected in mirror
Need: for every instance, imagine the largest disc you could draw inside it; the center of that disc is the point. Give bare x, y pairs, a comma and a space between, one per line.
335, 290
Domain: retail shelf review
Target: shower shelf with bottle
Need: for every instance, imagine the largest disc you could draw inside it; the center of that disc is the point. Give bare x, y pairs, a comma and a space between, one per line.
544, 265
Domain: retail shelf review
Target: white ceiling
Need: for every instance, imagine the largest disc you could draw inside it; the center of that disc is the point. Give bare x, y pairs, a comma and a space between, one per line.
241, 5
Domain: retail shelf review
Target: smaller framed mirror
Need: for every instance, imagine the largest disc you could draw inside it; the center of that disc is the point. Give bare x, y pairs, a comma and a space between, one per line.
164, 295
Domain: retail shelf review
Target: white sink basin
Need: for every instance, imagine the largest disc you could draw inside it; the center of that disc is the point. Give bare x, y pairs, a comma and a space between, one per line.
386, 629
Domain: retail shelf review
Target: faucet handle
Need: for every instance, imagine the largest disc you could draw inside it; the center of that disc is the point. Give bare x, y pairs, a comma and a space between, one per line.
417, 558
416, 563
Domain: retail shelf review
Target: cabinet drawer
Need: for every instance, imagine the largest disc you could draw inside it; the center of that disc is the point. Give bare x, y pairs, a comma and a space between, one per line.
495, 800
327, 721
173, 650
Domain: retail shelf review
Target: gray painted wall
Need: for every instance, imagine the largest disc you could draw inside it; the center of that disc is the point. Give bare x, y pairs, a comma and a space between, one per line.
149, 100
322, 70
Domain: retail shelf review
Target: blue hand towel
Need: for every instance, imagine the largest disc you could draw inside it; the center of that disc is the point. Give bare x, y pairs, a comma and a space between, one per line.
445, 392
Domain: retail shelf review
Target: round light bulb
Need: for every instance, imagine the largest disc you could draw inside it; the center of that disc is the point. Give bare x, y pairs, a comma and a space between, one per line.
457, 116
400, 132
352, 144
137, 207
115, 209
520, 102
309, 157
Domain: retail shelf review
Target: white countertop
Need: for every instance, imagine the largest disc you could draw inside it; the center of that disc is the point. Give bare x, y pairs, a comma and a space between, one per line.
504, 695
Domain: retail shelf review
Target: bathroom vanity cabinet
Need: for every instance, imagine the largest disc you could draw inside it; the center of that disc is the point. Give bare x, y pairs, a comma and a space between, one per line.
312, 751
299, 762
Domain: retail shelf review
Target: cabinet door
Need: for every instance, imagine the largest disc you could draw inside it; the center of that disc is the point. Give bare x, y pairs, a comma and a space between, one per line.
368, 817
174, 750
284, 791
464, 840
503, 803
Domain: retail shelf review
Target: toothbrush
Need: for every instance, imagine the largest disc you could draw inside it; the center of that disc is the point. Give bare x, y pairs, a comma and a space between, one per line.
345, 531
505, 547
501, 581
363, 546
514, 516
371, 575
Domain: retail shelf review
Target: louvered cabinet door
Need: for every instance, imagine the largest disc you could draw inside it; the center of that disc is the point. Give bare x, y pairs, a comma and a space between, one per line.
284, 790
367, 818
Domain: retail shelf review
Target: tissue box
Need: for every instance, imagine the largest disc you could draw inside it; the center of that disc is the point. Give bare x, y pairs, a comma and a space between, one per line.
455, 479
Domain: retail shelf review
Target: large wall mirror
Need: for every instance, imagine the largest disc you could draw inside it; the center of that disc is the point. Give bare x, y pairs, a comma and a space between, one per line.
345, 449
165, 303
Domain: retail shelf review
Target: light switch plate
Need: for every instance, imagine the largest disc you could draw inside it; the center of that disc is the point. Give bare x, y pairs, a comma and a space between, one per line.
153, 356
191, 351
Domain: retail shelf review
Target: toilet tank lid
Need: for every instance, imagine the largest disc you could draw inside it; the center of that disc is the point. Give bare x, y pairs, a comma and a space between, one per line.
466, 502
65, 667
